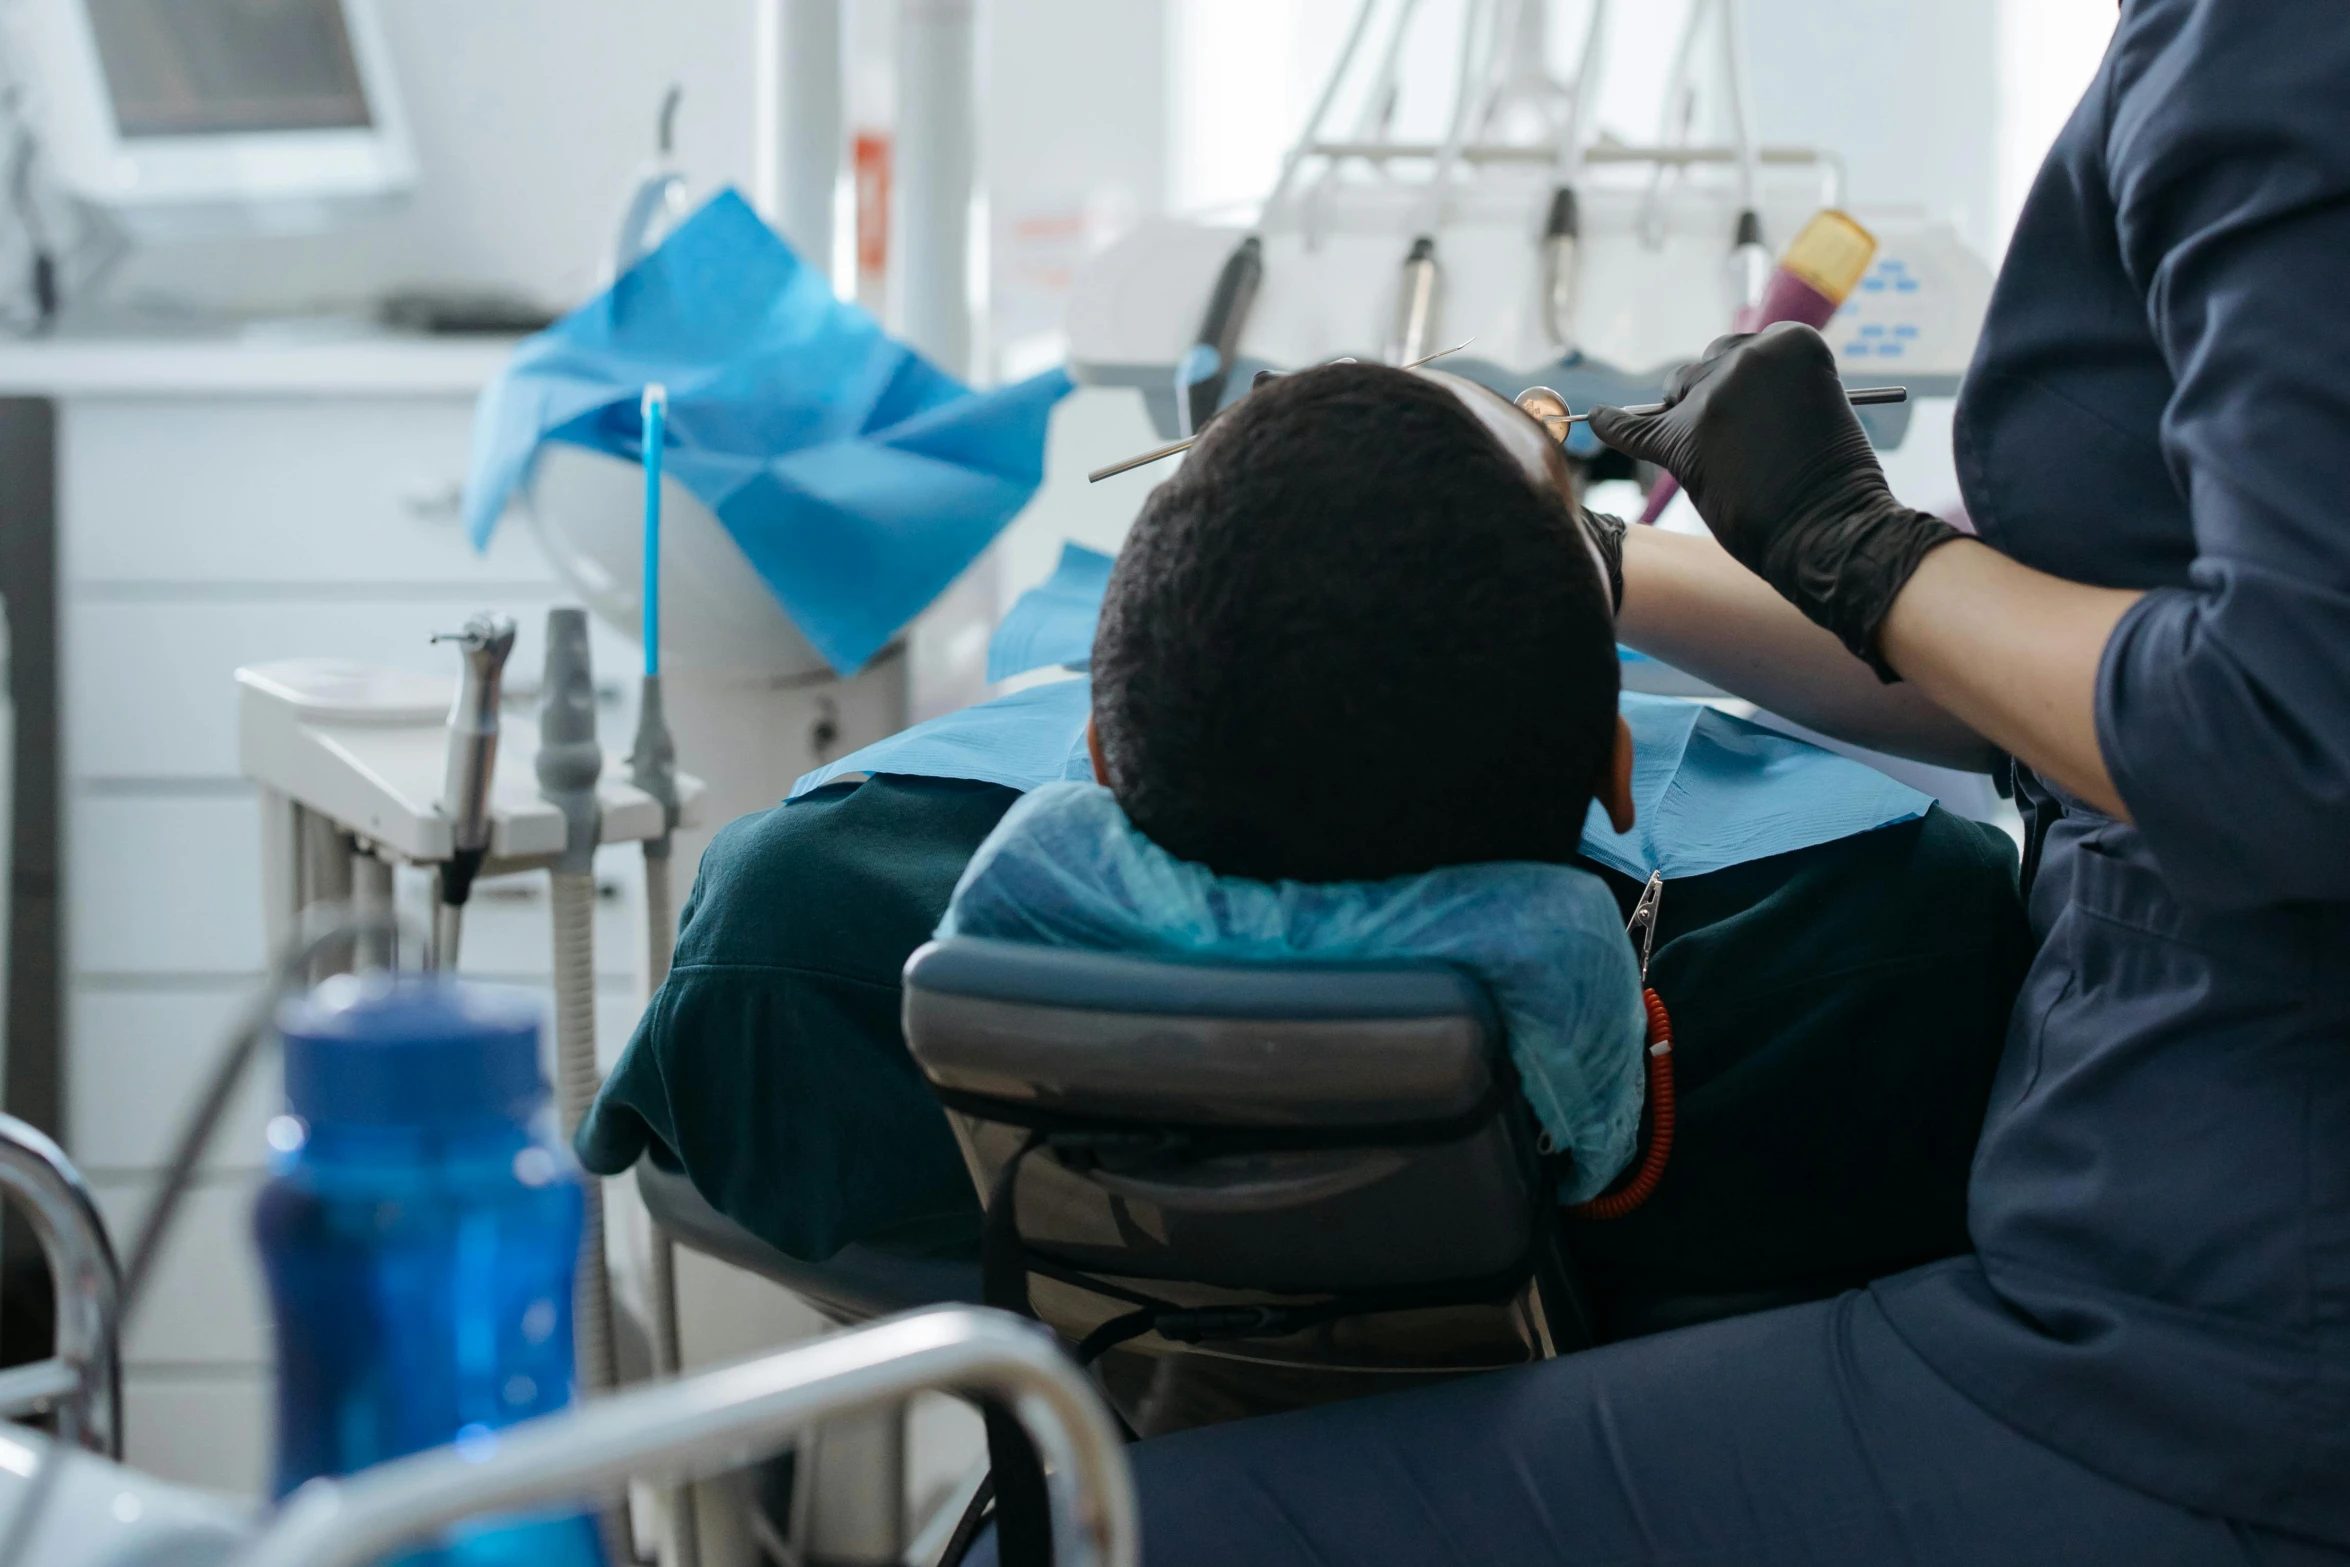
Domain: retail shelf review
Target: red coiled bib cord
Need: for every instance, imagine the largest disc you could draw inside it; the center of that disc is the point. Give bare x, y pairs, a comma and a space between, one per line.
1615, 1204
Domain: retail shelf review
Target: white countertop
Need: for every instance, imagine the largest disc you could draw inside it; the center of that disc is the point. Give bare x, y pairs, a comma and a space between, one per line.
258, 363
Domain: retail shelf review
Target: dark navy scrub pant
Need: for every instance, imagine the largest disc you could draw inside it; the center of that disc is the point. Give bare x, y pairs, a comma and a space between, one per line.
1811, 1434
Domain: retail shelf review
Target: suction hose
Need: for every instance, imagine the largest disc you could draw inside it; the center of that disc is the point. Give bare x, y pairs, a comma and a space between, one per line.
570, 763
653, 768
576, 1082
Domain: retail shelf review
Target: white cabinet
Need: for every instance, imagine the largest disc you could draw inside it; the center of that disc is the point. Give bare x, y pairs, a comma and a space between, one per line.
218, 506
130, 716
227, 492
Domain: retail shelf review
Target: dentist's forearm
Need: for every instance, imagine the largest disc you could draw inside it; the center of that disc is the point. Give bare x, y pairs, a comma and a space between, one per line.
2014, 654
1688, 603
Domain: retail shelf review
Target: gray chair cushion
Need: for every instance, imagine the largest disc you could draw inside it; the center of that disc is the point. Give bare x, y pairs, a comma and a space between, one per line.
1154, 1041
856, 1284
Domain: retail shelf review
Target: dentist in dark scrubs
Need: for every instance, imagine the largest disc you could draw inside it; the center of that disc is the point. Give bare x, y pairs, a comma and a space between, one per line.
2147, 1358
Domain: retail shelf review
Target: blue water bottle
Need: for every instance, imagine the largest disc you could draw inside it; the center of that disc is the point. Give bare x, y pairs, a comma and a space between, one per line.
420, 1231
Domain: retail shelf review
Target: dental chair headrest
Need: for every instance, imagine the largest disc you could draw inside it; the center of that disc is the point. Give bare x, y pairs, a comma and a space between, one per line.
1111, 1034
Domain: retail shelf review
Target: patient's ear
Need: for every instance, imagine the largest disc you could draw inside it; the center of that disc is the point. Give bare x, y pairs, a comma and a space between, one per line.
1093, 748
1615, 783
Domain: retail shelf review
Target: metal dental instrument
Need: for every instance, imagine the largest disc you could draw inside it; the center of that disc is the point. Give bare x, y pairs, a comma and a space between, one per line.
1420, 289
1859, 397
1145, 459
1201, 378
1416, 296
1562, 230
1750, 255
473, 761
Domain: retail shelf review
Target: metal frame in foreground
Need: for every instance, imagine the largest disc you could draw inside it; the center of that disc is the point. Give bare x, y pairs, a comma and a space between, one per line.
721, 1419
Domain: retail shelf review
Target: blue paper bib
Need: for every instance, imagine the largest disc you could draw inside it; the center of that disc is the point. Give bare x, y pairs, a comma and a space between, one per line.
1709, 790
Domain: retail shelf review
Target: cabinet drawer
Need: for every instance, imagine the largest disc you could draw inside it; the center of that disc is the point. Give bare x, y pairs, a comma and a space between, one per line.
171, 885
208, 1306
274, 490
151, 687
138, 1058
135, 1061
209, 1429
163, 885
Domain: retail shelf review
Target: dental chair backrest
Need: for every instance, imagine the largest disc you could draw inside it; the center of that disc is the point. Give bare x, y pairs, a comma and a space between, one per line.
1341, 1146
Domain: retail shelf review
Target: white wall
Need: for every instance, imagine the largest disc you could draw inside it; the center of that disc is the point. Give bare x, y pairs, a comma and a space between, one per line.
1903, 89
2048, 50
533, 118
1076, 151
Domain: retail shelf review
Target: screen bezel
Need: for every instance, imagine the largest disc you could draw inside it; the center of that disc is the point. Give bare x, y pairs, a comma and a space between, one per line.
282, 178
336, 104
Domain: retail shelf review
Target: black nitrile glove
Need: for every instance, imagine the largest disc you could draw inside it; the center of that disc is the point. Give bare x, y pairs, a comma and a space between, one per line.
1760, 435
1606, 534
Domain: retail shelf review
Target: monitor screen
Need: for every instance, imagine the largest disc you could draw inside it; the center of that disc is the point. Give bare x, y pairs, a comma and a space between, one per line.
227, 67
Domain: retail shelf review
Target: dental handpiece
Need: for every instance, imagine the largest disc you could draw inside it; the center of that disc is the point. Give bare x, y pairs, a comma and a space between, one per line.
472, 761
1416, 302
1562, 239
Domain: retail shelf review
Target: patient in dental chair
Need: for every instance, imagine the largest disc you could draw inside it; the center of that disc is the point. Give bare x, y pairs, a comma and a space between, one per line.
1352, 581
1350, 643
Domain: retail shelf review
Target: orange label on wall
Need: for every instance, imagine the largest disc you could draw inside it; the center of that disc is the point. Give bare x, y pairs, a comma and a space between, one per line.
870, 157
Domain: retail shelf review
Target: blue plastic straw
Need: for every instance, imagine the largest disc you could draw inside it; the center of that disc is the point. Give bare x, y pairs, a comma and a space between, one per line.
656, 420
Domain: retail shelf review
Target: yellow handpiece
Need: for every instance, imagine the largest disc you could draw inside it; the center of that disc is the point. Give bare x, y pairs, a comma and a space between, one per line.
1831, 253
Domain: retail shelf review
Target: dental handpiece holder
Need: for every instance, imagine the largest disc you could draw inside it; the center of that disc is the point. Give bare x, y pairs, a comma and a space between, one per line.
354, 765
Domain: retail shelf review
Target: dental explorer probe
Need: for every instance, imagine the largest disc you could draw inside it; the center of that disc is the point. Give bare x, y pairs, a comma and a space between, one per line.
472, 763
1858, 397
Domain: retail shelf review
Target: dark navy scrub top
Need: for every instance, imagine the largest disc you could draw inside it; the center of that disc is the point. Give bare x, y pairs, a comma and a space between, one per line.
2161, 400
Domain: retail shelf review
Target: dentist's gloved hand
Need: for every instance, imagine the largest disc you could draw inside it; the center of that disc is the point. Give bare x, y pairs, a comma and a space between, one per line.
1606, 534
1760, 435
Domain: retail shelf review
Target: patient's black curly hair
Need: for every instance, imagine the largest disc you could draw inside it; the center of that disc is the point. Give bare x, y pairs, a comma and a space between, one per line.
1351, 639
